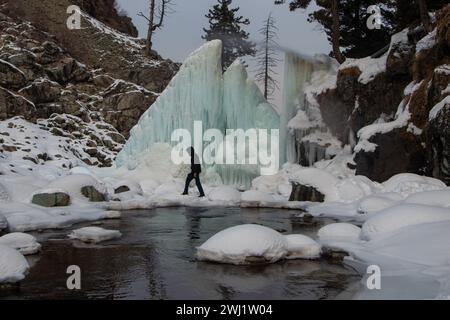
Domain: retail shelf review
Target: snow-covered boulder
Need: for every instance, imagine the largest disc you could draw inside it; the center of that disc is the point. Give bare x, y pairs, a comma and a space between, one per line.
13, 265
94, 234
127, 186
440, 198
225, 193
302, 247
320, 180
375, 203
409, 183
148, 186
256, 196
25, 243
400, 216
79, 187
244, 244
339, 232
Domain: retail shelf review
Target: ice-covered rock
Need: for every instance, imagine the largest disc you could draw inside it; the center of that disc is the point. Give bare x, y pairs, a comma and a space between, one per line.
244, 244
51, 198
302, 247
13, 265
401, 216
25, 243
94, 234
340, 232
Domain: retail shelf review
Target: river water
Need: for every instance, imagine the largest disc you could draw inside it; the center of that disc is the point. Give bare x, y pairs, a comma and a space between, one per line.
155, 259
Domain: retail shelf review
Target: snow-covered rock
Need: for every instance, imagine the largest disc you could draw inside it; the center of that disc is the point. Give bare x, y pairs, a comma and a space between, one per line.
4, 196
409, 183
113, 214
244, 244
13, 265
26, 244
94, 234
302, 247
375, 203
339, 232
400, 216
3, 223
321, 180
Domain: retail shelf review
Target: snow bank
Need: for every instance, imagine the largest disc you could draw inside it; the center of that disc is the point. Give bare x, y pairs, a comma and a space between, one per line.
225, 193
26, 244
4, 196
374, 203
339, 232
244, 244
256, 196
445, 103
409, 183
302, 247
400, 216
440, 198
94, 234
13, 265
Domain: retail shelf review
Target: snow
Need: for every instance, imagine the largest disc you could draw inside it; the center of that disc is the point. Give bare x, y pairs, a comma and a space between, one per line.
368, 66
256, 196
434, 112
25, 243
440, 198
374, 203
409, 183
13, 265
94, 234
340, 232
302, 247
237, 244
225, 193
400, 216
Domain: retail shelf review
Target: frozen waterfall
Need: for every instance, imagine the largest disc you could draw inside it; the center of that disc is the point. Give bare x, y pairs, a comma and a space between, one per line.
202, 92
306, 138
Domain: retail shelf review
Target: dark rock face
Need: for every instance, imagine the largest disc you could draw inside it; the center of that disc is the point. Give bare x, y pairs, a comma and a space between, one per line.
420, 145
13, 105
397, 152
305, 193
93, 194
121, 189
439, 145
50, 200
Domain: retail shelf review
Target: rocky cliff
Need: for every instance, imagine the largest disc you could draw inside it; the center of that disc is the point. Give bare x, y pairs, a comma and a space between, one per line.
88, 87
395, 105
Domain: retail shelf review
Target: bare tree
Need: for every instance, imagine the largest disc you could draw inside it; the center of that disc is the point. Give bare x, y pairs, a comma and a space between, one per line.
336, 32
157, 13
267, 57
424, 16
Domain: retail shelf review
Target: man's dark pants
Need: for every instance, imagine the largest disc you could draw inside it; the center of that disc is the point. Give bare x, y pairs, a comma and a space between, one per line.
191, 176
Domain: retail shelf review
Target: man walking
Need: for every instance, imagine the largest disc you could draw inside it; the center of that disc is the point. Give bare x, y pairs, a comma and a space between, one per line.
196, 169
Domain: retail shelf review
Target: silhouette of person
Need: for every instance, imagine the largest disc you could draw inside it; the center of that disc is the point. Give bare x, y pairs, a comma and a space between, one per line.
196, 169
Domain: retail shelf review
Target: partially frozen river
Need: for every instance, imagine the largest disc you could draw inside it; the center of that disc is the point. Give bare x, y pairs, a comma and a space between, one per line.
155, 259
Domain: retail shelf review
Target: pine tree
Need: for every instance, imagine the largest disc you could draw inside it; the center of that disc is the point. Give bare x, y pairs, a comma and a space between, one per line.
225, 24
267, 59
